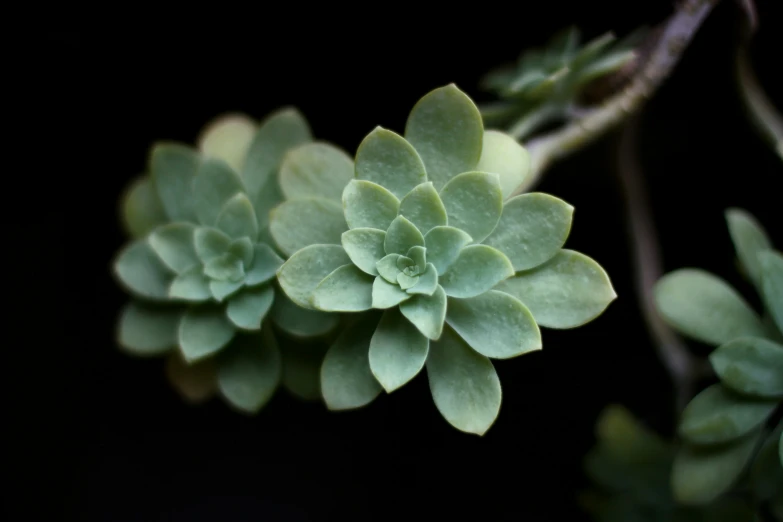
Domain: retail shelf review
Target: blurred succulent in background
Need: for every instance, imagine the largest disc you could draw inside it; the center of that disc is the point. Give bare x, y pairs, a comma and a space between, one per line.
724, 425
446, 273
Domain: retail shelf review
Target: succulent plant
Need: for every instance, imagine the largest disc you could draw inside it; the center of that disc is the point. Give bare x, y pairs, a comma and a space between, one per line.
200, 267
436, 269
723, 425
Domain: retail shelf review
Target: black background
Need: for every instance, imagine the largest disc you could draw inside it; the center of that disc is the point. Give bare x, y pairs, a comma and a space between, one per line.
102, 436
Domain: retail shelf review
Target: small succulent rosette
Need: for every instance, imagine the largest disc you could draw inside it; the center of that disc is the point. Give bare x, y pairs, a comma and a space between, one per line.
437, 270
723, 425
200, 266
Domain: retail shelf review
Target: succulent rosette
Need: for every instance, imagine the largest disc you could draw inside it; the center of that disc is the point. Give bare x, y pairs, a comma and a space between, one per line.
438, 270
200, 267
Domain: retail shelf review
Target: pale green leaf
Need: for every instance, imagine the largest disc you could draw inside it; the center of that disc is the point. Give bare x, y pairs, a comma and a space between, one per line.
405, 281
418, 254
214, 184
210, 243
427, 283
386, 158
249, 372
718, 415
501, 154
401, 236
464, 385
474, 203
249, 307
222, 289
142, 210
315, 170
242, 248
346, 379
704, 307
532, 229
173, 242
237, 217
191, 285
426, 312
194, 382
478, 268
385, 295
567, 291
749, 238
172, 168
397, 351
369, 205
299, 276
302, 370
444, 245
494, 324
300, 322
766, 473
365, 247
347, 289
227, 138
147, 330
751, 366
264, 266
388, 267
303, 222
203, 331
264, 201
141, 271
422, 207
225, 268
771, 263
446, 129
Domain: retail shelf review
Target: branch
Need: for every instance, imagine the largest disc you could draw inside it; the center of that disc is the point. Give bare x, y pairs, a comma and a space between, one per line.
674, 37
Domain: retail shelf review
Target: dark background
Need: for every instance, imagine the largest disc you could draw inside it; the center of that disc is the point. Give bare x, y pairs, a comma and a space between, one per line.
102, 437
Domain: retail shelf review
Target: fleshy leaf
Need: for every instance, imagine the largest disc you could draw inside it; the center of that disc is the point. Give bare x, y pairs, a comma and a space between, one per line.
222, 289
444, 245
146, 330
365, 247
195, 382
385, 295
718, 415
141, 271
771, 264
766, 473
749, 238
567, 291
173, 242
401, 236
172, 168
191, 285
446, 129
418, 254
464, 385
427, 283
250, 371
494, 324
237, 218
405, 281
228, 138
404, 262
299, 276
249, 307
204, 331
474, 203
397, 351
347, 289
142, 210
477, 269
302, 370
750, 366
386, 158
388, 269
315, 170
242, 248
346, 379
301, 322
214, 184
427, 313
303, 222
704, 307
225, 268
423, 207
503, 155
265, 263
210, 243
369, 205
532, 229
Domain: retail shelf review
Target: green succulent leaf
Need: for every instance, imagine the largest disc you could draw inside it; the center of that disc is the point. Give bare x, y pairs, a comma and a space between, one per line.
194, 382
704, 307
427, 282
249, 307
494, 324
347, 289
405, 281
717, 415
264, 265
242, 248
386, 158
302, 370
222, 289
315, 170
299, 223
464, 385
141, 271
474, 203
501, 154
250, 371
237, 217
567, 291
225, 268
749, 238
388, 267
346, 379
603, 66
426, 312
592, 49
423, 207
191, 285
772, 284
142, 210
369, 205
397, 351
750, 366
365, 247
172, 168
444, 245
532, 229
478, 268
386, 295
401, 236
203, 331
301, 322
214, 184
146, 330
228, 139
210, 243
766, 473
173, 243
446, 129
299, 276
417, 254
